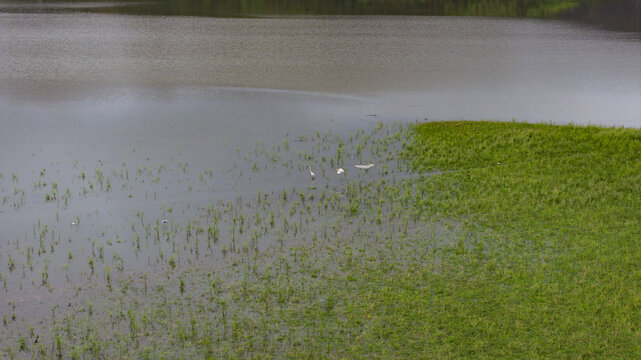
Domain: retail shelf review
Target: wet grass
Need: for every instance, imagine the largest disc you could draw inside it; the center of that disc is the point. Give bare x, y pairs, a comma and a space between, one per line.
556, 274
505, 240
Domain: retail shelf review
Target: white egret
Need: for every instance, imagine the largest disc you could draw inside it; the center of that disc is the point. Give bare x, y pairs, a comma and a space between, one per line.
311, 173
364, 167
340, 171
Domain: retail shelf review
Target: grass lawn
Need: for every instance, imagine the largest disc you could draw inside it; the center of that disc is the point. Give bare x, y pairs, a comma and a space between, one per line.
551, 264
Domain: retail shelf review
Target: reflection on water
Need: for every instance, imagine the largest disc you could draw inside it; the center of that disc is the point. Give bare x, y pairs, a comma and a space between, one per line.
622, 15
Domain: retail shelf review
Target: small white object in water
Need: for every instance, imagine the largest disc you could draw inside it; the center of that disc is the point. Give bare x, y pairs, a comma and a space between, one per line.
364, 167
164, 221
311, 173
340, 171
73, 223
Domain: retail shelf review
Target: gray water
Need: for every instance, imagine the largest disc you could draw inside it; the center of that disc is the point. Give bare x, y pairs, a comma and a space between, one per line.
396, 67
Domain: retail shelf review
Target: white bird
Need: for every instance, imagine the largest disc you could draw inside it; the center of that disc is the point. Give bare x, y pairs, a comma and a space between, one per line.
340, 171
311, 173
364, 167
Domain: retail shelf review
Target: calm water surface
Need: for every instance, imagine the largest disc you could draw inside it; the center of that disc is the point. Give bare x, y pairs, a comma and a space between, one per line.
434, 67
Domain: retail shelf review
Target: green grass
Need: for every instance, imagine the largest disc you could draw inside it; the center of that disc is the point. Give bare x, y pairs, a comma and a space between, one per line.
546, 264
554, 269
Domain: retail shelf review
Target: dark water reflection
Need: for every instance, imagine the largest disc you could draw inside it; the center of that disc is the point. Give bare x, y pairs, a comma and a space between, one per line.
621, 15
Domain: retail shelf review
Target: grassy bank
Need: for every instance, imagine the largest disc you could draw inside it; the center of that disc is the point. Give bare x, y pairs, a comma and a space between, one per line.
556, 274
546, 261
504, 240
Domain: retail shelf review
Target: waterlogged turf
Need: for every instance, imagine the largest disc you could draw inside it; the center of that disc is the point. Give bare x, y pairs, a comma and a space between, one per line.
553, 271
465, 240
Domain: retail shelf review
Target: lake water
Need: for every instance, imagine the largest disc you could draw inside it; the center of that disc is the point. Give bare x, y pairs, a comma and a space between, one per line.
130, 67
69, 81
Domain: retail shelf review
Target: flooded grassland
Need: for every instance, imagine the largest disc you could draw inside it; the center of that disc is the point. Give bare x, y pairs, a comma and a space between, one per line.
109, 259
187, 186
485, 238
